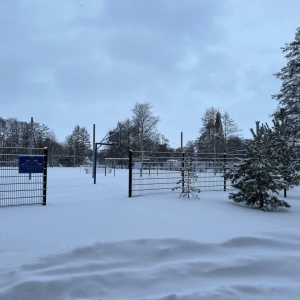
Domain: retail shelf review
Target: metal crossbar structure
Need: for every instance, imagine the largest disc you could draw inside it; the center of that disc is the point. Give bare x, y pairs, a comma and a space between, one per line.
88, 169
23, 176
116, 162
161, 172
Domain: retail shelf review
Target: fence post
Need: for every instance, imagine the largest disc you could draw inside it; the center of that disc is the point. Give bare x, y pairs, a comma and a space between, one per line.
130, 174
224, 170
95, 163
182, 172
45, 176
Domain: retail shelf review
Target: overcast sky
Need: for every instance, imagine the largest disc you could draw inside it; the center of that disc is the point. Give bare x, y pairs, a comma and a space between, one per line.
88, 62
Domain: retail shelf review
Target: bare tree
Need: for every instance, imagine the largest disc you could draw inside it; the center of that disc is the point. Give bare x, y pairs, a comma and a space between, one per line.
144, 123
208, 118
230, 129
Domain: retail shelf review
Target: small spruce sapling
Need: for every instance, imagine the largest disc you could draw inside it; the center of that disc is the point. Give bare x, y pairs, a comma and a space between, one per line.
188, 178
256, 177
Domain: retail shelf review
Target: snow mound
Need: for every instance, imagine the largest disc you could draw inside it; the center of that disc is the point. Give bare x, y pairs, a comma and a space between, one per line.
239, 268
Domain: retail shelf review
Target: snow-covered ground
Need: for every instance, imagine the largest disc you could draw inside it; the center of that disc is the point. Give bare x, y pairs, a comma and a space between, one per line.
93, 242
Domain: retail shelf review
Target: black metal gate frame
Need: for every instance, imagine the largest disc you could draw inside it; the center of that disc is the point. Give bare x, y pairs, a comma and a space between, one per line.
169, 166
22, 188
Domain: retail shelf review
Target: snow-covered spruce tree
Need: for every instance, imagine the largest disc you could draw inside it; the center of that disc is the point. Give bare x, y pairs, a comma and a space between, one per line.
188, 178
282, 150
256, 177
289, 94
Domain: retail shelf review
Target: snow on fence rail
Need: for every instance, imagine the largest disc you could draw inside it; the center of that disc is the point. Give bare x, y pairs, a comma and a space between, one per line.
160, 172
23, 176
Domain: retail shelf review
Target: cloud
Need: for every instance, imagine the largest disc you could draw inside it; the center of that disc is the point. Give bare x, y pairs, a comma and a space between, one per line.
83, 62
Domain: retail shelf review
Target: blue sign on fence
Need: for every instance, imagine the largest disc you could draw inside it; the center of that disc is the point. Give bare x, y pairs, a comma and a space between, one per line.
31, 164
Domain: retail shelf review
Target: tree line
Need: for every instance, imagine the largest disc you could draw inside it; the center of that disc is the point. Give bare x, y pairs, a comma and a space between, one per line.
139, 132
77, 145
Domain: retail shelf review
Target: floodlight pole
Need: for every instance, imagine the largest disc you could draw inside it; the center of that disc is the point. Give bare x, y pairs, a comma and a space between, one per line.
94, 141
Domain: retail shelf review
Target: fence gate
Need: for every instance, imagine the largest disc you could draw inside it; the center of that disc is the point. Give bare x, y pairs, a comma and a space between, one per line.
23, 176
160, 172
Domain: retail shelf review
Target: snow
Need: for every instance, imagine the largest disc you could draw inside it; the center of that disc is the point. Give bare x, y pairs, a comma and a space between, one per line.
93, 242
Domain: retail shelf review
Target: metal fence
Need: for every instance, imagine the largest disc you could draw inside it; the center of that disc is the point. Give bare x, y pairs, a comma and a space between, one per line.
161, 172
23, 176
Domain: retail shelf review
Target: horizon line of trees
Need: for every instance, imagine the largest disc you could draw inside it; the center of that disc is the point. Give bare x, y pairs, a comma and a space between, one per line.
139, 132
77, 145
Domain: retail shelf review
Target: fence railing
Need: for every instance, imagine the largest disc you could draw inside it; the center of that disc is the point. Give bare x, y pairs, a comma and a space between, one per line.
161, 172
23, 176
